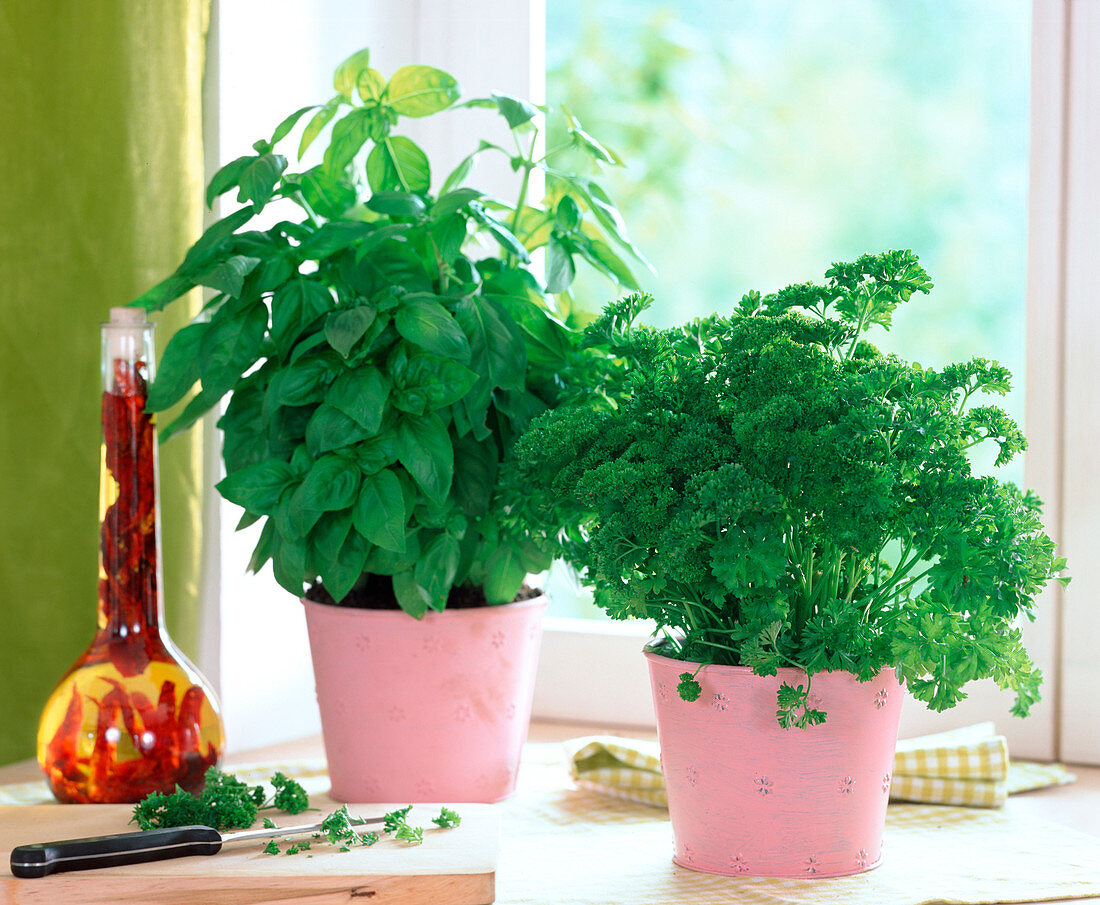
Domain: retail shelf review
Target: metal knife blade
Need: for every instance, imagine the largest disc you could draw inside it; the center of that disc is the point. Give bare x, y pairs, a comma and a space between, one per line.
42, 858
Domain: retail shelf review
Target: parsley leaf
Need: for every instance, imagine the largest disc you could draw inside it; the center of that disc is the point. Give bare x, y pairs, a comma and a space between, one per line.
447, 818
290, 796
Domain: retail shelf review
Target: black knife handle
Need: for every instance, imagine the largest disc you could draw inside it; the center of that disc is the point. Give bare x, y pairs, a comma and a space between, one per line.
44, 858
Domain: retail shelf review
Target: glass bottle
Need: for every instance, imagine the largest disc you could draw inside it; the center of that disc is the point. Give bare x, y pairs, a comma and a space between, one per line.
132, 715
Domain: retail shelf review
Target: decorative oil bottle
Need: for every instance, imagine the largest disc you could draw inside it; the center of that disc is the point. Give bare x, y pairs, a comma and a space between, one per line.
132, 715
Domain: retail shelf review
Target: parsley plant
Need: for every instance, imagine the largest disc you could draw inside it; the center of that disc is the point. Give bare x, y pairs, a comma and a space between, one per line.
774, 491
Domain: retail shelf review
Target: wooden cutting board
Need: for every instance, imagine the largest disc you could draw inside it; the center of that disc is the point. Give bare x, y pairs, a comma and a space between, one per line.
451, 867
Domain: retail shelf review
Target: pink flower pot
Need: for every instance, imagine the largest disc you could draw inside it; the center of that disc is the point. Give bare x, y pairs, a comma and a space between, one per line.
748, 798
429, 710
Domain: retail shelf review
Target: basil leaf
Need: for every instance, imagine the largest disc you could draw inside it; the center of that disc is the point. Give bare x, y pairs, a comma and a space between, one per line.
265, 547
497, 353
421, 90
230, 346
514, 110
294, 307
283, 129
361, 395
313, 128
436, 568
504, 575
379, 513
258, 487
398, 164
376, 453
300, 384
329, 429
227, 177
199, 405
348, 137
331, 484
178, 370
334, 236
342, 572
167, 290
330, 195
328, 536
414, 599
424, 448
560, 270
428, 324
476, 466
346, 76
344, 329
257, 180
288, 562
397, 204
228, 276
211, 242
371, 84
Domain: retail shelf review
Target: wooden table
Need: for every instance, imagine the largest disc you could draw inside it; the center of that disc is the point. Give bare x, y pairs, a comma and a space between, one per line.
1075, 806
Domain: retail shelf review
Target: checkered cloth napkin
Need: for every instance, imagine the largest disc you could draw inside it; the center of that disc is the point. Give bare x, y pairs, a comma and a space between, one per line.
965, 767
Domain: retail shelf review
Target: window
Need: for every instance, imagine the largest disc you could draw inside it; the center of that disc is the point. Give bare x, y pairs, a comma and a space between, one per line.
766, 141
805, 136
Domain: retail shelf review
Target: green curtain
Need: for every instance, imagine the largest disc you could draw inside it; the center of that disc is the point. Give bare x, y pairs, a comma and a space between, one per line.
100, 195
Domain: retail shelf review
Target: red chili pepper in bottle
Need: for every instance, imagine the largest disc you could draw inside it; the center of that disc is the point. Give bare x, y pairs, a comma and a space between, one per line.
132, 715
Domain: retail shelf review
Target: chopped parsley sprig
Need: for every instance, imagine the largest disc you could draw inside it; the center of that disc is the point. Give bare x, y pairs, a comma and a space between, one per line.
224, 803
228, 803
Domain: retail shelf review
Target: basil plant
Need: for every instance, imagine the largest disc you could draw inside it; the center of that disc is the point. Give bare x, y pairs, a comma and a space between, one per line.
385, 342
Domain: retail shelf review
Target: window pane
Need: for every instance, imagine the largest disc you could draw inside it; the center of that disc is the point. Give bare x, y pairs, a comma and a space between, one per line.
766, 140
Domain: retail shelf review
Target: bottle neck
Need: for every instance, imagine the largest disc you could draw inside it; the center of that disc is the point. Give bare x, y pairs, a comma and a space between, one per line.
129, 602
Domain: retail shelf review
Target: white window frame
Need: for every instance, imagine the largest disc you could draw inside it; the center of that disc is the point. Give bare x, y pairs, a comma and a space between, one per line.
594, 672
1064, 327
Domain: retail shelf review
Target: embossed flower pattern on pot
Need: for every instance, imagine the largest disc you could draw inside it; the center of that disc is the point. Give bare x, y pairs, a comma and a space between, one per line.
498, 639
425, 787
362, 643
689, 853
721, 702
812, 864
431, 645
463, 713
662, 691
763, 785
397, 714
692, 776
738, 863
846, 786
881, 697
886, 782
862, 858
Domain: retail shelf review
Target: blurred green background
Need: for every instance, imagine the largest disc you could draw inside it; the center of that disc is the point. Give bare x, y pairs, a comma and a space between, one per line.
766, 139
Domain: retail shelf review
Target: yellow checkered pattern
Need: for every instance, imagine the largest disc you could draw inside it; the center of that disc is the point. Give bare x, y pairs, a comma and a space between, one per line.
629, 769
964, 767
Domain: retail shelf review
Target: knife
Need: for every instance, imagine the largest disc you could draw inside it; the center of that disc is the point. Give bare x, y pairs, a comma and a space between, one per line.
44, 858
